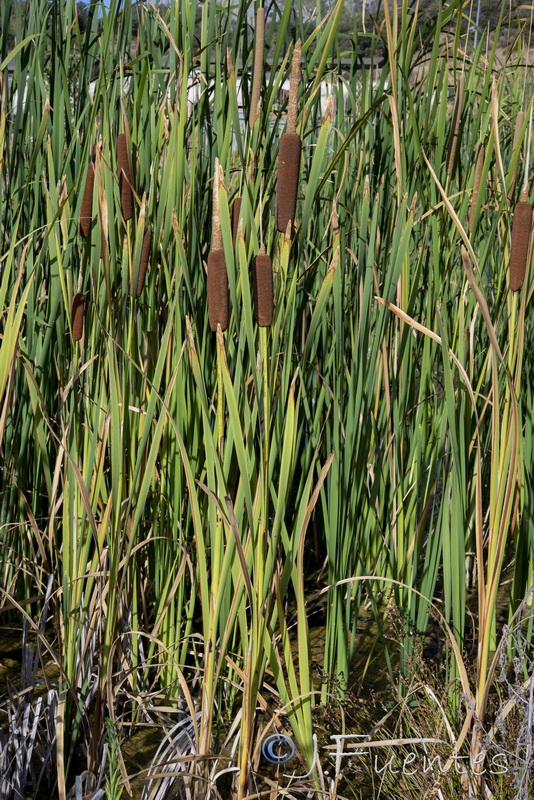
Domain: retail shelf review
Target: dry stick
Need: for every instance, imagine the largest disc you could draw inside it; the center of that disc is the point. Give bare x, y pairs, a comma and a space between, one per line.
217, 276
258, 67
289, 155
125, 180
517, 133
454, 140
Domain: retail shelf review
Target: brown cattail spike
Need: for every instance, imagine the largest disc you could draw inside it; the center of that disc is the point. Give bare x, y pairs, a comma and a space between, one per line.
145, 256
289, 155
78, 307
125, 180
86, 213
217, 290
521, 228
262, 284
288, 180
236, 210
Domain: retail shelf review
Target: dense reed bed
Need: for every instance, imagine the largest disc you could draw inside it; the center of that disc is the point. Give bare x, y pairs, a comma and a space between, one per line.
240, 402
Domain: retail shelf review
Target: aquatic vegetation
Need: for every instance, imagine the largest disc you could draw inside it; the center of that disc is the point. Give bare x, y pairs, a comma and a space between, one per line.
265, 368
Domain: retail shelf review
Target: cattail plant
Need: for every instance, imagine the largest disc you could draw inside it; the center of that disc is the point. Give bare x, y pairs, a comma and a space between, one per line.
125, 181
521, 229
145, 257
479, 165
86, 213
262, 284
77, 315
217, 275
236, 210
517, 134
454, 140
289, 157
258, 67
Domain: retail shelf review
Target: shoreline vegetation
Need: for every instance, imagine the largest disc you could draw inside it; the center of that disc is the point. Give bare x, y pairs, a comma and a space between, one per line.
266, 401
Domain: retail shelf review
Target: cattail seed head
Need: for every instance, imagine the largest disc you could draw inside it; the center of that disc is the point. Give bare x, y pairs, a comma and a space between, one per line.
521, 229
236, 210
217, 290
125, 180
86, 212
262, 283
77, 314
288, 179
145, 257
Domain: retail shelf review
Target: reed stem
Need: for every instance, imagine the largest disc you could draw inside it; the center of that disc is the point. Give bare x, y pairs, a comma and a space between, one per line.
258, 67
